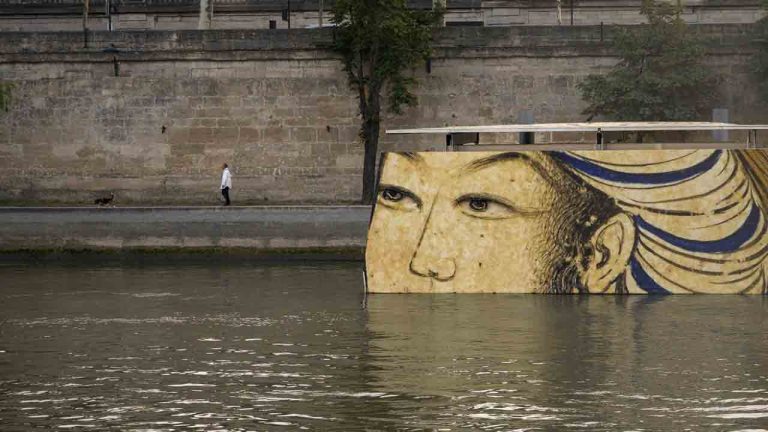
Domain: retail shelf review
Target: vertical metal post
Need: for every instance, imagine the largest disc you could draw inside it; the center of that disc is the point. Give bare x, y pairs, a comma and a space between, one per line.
289, 14
525, 117
108, 13
86, 8
449, 142
600, 145
320, 14
572, 11
720, 115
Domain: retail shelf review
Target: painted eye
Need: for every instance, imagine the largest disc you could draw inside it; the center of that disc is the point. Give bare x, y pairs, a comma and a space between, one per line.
485, 207
478, 204
398, 198
391, 194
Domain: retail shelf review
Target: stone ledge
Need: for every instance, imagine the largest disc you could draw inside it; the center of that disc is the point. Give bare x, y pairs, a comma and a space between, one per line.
274, 229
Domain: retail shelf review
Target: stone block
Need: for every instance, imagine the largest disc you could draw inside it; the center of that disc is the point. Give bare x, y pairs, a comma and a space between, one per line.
225, 134
250, 135
303, 134
276, 134
205, 122
212, 112
200, 135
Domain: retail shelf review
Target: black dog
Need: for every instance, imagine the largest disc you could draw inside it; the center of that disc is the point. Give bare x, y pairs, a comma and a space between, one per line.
104, 201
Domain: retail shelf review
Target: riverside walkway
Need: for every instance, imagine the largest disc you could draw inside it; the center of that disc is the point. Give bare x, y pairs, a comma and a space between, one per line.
264, 230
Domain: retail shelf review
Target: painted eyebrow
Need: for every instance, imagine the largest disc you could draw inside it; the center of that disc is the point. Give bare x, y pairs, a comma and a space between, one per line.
502, 157
415, 157
494, 159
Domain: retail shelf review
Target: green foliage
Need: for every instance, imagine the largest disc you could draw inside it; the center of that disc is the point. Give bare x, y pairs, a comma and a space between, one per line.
760, 61
660, 75
5, 95
380, 41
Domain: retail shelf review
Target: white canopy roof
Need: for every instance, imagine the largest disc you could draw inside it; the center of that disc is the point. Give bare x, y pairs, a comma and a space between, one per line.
583, 127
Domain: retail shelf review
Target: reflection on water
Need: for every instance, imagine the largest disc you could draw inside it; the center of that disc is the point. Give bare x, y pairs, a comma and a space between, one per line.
276, 347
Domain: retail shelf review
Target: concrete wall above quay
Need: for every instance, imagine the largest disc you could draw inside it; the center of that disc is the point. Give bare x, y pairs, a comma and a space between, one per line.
152, 115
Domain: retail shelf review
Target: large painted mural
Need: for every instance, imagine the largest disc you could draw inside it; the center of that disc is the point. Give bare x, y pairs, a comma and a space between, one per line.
604, 222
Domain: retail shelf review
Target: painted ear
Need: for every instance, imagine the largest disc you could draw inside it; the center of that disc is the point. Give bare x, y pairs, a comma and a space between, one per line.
612, 245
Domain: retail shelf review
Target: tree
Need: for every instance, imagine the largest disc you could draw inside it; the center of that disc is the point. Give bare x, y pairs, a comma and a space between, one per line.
380, 41
660, 75
760, 61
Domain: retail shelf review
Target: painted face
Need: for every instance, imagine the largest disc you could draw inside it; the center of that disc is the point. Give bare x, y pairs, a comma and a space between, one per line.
458, 222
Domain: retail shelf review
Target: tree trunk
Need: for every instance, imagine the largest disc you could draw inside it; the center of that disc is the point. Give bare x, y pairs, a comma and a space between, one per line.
370, 109
371, 144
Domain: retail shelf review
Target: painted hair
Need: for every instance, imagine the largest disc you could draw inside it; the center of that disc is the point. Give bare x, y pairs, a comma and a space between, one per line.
582, 209
699, 215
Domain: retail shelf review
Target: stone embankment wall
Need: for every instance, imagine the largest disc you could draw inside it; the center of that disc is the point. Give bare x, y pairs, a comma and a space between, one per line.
152, 115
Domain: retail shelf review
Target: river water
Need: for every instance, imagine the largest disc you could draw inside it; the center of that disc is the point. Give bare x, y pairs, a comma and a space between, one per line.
260, 346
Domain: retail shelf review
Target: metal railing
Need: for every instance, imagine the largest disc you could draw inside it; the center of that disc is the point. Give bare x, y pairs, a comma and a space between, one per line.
51, 6
149, 3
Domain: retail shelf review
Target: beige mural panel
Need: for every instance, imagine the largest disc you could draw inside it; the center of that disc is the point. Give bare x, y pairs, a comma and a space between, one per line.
607, 222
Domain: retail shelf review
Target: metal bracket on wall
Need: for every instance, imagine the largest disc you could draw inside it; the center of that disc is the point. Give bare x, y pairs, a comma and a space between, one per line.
453, 141
752, 139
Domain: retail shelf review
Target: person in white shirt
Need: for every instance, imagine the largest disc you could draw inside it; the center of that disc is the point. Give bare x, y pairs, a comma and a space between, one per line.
226, 183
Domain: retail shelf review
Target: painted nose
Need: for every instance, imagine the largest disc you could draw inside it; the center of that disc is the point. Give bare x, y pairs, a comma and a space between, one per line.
442, 269
431, 259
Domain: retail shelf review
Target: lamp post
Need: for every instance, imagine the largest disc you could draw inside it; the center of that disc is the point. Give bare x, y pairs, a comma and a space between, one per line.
108, 12
572, 11
287, 14
86, 7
